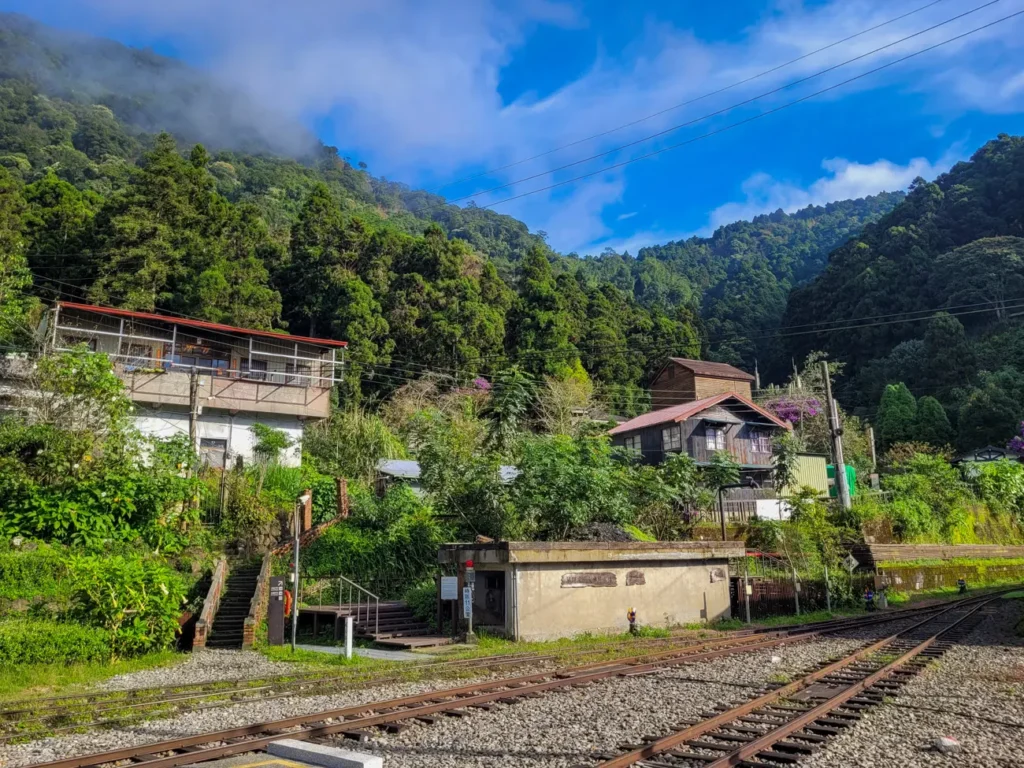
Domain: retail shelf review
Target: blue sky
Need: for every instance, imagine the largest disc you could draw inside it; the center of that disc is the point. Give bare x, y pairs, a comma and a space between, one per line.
430, 92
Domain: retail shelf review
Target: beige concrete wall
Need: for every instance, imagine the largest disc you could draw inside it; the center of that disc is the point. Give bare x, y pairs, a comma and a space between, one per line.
562, 600
171, 388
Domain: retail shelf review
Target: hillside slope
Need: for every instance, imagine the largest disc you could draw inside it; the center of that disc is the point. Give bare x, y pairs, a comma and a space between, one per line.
240, 240
953, 244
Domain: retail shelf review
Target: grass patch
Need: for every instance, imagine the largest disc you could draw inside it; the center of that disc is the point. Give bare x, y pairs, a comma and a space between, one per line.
316, 658
48, 679
982, 562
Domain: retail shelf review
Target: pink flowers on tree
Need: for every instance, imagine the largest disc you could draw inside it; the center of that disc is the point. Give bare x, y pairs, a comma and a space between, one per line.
793, 409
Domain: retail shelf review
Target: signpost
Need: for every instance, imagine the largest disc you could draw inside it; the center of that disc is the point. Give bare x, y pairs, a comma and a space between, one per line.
275, 613
851, 563
449, 587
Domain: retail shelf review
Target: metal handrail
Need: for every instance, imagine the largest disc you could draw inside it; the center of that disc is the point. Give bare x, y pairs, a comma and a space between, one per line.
360, 591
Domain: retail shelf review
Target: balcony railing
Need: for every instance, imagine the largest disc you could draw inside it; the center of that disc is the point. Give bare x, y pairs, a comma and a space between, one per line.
741, 452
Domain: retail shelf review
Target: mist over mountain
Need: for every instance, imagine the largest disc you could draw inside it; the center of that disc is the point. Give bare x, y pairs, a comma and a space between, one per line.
149, 93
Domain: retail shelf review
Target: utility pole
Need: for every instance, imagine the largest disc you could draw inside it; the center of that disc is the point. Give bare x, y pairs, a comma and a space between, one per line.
835, 430
300, 505
193, 408
871, 444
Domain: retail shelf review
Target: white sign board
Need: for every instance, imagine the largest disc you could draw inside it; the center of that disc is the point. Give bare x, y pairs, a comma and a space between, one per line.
851, 563
449, 587
467, 602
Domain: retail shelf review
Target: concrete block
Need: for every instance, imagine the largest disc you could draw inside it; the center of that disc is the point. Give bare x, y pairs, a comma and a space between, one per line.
318, 754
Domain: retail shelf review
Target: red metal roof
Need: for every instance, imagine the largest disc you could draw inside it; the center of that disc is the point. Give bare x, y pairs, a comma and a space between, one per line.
714, 370
683, 411
203, 324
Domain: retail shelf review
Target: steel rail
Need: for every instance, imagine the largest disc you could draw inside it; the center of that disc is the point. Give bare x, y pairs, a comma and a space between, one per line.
91, 698
816, 713
405, 708
233, 741
704, 727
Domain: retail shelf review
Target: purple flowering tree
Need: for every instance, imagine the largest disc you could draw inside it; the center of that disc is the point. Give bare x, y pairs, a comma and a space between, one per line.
794, 408
1017, 443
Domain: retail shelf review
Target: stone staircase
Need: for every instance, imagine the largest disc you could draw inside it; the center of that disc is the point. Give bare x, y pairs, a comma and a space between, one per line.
229, 623
395, 627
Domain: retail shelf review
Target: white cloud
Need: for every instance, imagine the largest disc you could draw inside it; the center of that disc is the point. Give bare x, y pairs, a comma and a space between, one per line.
624, 216
414, 85
844, 180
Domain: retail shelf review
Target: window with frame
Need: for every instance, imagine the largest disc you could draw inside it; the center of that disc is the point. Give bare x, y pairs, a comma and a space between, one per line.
714, 438
633, 443
213, 452
254, 369
672, 438
760, 441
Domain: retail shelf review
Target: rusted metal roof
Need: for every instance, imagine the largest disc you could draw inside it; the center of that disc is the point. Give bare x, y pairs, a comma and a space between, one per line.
203, 324
684, 411
713, 370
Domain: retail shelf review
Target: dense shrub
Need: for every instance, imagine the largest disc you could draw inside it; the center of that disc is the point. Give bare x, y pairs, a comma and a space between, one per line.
138, 602
387, 544
422, 601
40, 574
37, 641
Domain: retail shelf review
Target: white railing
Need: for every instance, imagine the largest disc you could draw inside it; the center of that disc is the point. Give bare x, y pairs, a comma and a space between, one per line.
363, 604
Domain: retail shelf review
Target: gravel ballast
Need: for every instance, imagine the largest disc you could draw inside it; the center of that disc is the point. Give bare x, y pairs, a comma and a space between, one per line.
191, 723
205, 666
978, 688
567, 726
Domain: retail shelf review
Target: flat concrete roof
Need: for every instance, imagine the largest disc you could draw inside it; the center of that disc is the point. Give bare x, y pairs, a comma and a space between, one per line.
587, 551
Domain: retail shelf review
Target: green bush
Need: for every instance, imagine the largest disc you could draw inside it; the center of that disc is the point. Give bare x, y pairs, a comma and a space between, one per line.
422, 601
36, 641
138, 602
39, 574
387, 544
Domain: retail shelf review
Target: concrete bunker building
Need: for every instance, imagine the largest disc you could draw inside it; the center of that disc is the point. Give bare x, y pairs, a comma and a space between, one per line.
547, 590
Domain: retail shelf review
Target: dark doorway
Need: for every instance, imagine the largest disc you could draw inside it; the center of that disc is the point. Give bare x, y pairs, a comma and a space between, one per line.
489, 599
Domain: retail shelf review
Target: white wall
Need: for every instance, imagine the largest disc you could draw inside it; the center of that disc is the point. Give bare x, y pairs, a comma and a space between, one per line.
217, 424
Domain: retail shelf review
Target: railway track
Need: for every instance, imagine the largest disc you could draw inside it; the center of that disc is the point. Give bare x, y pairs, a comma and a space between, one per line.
460, 701
781, 726
32, 718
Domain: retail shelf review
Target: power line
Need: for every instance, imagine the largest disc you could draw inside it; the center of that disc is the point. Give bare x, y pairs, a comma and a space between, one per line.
694, 100
730, 108
754, 118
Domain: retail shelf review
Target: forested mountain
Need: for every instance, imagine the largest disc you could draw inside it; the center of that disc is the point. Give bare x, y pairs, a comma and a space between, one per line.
954, 244
130, 179
740, 277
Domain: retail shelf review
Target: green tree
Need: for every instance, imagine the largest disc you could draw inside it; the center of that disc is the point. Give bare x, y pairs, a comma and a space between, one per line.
359, 321
897, 415
512, 399
15, 279
540, 327
58, 226
932, 424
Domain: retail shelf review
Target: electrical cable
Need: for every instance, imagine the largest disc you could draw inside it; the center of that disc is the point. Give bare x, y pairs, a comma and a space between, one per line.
725, 110
682, 104
753, 118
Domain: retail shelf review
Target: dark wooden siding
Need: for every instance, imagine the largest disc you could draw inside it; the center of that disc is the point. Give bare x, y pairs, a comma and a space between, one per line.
737, 442
673, 386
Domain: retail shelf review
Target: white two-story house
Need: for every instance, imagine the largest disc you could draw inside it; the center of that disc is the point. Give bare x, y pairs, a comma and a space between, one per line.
240, 376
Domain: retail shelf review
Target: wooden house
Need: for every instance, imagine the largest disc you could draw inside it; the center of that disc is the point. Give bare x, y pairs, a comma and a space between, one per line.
726, 422
682, 381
